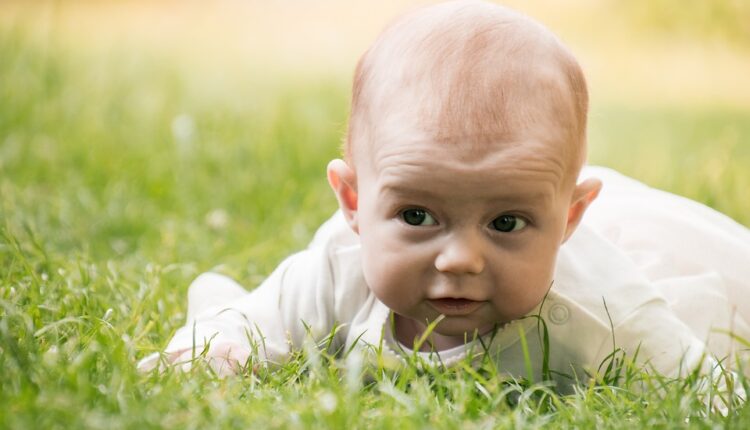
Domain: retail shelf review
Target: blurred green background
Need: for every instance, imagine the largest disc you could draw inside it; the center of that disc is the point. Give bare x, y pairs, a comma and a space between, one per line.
186, 131
143, 142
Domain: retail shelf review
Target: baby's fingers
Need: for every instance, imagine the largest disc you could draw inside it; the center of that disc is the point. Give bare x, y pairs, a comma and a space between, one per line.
149, 362
228, 358
163, 360
224, 357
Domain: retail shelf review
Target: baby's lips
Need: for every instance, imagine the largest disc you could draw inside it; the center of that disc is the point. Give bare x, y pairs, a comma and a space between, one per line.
455, 306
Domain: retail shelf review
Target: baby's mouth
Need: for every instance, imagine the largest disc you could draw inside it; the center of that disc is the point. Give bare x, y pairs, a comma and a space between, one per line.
455, 307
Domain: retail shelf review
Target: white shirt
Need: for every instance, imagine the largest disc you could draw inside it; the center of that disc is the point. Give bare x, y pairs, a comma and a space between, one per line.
671, 273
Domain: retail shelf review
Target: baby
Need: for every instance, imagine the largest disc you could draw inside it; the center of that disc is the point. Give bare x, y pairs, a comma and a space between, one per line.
462, 199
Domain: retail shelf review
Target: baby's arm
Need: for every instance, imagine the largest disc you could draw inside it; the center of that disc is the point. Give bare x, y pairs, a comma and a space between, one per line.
217, 321
670, 347
227, 325
672, 333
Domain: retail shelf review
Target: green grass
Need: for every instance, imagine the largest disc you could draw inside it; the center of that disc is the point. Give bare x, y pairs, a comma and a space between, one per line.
107, 214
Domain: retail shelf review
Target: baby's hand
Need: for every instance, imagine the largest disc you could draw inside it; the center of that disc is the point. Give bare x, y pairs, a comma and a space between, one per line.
226, 358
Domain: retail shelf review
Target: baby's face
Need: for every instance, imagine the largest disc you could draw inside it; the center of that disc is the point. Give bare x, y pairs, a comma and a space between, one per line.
469, 233
466, 132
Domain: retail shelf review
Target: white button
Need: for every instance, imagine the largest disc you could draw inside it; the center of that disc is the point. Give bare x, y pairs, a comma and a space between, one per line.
558, 313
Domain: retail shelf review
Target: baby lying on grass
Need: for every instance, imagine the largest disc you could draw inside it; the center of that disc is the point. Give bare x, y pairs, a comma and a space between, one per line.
462, 198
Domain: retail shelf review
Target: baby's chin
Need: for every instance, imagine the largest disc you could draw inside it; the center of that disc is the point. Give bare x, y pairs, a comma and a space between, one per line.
461, 329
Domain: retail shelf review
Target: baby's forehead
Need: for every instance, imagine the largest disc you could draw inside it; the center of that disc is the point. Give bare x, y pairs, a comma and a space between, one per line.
419, 147
406, 125
462, 171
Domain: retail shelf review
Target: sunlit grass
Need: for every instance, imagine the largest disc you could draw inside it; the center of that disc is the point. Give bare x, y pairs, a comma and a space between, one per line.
124, 174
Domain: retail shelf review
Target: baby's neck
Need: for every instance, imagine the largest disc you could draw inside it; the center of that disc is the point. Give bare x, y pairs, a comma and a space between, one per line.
407, 331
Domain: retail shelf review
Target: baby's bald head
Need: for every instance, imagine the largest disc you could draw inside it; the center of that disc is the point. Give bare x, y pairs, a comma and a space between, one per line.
469, 72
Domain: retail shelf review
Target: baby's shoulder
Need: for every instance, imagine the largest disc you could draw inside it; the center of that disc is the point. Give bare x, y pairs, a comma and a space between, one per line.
595, 277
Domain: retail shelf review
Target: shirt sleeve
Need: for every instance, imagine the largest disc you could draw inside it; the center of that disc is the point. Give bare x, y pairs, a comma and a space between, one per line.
609, 305
294, 303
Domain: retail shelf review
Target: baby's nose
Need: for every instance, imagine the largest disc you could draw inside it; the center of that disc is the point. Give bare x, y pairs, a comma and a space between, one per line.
461, 256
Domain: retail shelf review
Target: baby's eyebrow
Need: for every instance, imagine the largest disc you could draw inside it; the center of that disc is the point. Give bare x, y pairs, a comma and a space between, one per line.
537, 197
411, 192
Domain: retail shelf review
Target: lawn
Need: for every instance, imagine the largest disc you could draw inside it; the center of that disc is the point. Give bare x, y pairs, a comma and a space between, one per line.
124, 173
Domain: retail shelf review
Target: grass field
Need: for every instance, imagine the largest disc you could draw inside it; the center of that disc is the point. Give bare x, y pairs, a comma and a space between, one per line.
126, 172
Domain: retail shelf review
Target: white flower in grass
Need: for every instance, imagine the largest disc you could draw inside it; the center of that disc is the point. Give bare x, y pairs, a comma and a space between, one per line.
183, 131
217, 219
120, 246
50, 357
354, 363
328, 402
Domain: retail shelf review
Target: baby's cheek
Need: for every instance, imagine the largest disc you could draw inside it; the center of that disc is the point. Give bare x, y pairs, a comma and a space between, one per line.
388, 284
522, 291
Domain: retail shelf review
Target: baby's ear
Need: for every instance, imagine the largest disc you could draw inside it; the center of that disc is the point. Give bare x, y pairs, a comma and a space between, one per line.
343, 181
583, 194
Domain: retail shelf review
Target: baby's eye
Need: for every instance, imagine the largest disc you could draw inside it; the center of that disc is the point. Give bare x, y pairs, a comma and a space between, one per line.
417, 217
508, 223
